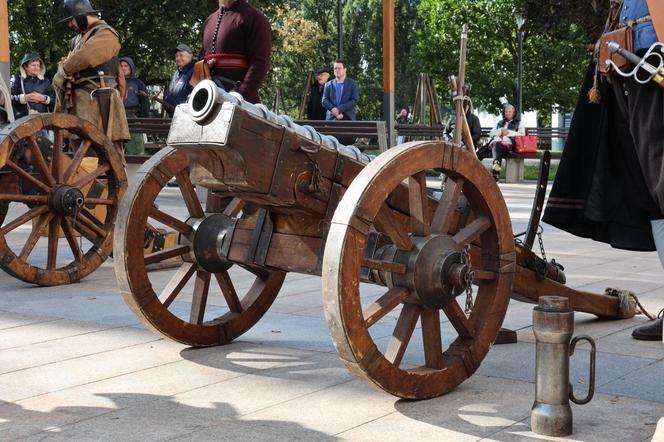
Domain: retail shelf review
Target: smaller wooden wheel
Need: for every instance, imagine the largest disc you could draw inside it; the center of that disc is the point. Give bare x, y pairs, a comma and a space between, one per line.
55, 195
395, 259
199, 305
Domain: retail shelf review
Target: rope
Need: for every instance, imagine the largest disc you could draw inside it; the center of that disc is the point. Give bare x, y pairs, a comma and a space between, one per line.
629, 303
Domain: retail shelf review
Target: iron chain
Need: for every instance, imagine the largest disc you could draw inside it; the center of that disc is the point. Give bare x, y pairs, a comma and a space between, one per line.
540, 230
469, 277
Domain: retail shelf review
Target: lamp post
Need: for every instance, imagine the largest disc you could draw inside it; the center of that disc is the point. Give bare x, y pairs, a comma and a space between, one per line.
340, 34
520, 21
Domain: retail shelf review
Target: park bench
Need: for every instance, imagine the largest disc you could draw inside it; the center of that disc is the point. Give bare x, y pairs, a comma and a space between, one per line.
546, 135
156, 130
413, 132
348, 132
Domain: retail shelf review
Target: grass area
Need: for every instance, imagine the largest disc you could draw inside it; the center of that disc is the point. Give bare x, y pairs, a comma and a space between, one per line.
531, 172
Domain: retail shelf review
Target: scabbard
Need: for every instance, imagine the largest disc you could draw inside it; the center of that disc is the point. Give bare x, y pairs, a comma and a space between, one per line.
104, 102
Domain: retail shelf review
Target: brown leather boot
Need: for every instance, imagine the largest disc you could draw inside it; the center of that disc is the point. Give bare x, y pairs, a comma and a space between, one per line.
649, 332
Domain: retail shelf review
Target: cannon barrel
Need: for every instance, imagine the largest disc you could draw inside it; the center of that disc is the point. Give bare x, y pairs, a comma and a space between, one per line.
207, 99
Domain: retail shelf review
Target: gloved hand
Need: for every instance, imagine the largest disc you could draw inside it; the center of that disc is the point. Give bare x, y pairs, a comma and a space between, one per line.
60, 77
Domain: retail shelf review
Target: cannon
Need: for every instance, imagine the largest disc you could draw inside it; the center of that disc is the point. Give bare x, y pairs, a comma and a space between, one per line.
391, 252
60, 179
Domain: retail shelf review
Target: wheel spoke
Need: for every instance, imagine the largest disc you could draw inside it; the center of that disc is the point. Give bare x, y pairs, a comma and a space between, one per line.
418, 204
163, 255
92, 225
34, 236
71, 239
386, 221
257, 271
402, 333
433, 344
234, 207
39, 160
446, 216
99, 202
26, 217
26, 176
189, 194
385, 266
170, 221
472, 231
485, 275
228, 290
176, 284
87, 179
385, 304
458, 320
82, 151
57, 160
199, 301
27, 199
53, 240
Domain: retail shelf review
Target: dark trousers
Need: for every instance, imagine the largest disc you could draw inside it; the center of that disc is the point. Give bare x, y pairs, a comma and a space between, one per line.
501, 151
639, 123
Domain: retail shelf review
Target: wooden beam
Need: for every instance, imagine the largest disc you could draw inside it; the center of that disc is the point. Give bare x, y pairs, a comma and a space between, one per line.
4, 41
388, 67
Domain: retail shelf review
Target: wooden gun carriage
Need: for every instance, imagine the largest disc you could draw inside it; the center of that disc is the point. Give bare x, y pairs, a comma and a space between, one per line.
59, 195
390, 252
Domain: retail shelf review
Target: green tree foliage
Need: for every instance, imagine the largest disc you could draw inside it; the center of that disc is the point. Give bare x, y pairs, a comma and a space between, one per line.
553, 61
149, 29
305, 38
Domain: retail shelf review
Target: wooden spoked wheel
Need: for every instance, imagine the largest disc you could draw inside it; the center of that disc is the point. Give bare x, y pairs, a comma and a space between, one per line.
197, 302
387, 230
57, 195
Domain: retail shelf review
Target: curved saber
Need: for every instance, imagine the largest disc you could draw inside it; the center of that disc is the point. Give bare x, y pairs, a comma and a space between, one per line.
656, 72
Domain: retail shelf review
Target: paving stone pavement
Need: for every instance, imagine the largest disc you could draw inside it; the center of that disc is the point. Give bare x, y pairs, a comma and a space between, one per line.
76, 364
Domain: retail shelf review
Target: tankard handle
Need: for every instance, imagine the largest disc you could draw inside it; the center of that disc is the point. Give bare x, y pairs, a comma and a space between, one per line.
593, 353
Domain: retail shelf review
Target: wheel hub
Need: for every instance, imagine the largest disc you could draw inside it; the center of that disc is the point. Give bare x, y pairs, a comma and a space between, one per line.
436, 273
211, 241
66, 200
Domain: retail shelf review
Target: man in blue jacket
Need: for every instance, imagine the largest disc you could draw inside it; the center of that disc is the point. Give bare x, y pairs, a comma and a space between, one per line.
179, 87
340, 95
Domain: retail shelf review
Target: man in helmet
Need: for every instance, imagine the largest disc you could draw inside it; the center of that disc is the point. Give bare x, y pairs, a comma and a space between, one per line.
237, 42
87, 79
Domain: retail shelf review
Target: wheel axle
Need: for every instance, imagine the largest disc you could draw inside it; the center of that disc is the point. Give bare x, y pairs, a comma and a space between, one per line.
436, 273
66, 200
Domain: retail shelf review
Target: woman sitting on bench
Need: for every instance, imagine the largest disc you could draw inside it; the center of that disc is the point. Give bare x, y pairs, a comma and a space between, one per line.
502, 143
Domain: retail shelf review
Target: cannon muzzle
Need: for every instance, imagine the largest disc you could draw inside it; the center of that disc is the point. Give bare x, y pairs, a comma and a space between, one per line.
207, 99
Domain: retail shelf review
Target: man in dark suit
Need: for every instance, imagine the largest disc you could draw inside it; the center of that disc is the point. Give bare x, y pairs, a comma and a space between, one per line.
315, 110
340, 95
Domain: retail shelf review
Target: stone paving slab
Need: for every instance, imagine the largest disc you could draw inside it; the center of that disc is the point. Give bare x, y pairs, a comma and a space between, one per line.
76, 364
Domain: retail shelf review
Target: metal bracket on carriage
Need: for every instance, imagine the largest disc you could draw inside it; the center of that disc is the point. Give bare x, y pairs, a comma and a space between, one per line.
260, 238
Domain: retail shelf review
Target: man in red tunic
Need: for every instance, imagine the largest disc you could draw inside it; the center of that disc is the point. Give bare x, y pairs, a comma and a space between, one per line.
237, 41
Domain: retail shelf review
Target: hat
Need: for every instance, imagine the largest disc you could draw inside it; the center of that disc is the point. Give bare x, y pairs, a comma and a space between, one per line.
322, 71
183, 48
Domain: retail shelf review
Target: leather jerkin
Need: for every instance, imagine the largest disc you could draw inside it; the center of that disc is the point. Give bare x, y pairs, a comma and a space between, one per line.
656, 8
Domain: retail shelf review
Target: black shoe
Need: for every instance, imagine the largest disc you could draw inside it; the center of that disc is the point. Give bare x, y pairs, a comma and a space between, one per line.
649, 332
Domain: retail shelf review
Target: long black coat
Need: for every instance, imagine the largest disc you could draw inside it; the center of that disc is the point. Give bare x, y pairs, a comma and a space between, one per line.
599, 191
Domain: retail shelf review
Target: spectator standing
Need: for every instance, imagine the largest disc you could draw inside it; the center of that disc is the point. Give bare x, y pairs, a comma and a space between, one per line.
315, 110
135, 102
31, 92
341, 95
179, 87
403, 116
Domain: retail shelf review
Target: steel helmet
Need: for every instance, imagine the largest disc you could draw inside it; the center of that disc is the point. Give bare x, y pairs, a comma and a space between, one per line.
79, 10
